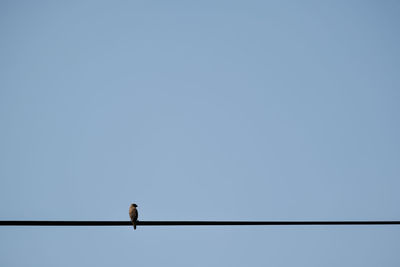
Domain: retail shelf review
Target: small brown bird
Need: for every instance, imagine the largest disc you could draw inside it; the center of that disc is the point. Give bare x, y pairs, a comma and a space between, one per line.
133, 213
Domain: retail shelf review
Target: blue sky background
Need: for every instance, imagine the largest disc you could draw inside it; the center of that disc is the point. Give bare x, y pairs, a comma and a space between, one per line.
200, 110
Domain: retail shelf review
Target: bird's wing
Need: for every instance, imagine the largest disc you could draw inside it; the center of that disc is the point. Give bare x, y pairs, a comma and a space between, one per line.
131, 213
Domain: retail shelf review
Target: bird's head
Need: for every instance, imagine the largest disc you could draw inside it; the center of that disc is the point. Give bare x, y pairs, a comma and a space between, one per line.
133, 204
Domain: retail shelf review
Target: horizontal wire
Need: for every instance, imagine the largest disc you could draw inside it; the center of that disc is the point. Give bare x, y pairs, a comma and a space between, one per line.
190, 223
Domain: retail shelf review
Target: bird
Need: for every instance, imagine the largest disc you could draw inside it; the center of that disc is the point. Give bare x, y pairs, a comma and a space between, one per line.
133, 213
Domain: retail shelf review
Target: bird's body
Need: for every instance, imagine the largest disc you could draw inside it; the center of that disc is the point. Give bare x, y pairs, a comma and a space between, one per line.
133, 213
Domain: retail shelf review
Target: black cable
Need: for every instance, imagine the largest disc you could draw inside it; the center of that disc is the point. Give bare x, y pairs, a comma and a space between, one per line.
190, 223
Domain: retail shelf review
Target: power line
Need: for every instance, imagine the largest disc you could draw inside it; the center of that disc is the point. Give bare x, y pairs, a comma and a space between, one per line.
190, 223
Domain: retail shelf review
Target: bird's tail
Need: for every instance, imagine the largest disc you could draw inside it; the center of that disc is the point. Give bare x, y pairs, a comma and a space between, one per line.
133, 224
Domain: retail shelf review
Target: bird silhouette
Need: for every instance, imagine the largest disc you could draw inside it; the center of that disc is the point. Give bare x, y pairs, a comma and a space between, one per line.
133, 213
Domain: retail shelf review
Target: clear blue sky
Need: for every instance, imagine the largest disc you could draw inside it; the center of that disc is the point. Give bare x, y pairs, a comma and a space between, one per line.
200, 110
